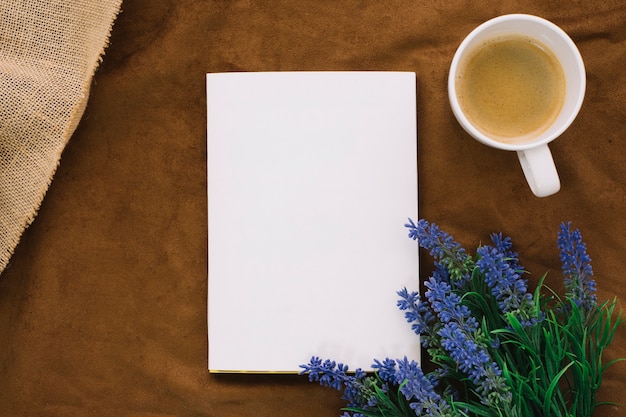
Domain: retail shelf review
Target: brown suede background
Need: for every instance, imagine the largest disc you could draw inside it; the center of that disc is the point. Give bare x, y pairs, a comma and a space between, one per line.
103, 306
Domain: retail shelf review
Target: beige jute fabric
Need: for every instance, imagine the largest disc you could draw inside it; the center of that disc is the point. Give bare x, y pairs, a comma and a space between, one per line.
49, 50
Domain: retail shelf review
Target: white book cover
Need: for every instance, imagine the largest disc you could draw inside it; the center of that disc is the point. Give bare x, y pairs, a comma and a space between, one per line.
311, 177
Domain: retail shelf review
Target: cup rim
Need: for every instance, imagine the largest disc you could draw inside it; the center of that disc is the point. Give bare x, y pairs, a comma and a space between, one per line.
464, 121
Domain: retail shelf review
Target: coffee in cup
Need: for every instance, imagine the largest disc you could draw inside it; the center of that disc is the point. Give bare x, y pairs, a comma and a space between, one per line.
516, 83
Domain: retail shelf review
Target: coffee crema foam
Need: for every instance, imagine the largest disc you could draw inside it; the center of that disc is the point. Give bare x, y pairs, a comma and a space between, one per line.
511, 88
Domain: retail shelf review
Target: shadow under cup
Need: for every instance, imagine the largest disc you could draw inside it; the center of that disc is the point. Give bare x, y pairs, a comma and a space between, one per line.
543, 179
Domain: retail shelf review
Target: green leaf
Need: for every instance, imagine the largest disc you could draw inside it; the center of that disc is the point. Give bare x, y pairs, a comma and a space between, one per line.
547, 402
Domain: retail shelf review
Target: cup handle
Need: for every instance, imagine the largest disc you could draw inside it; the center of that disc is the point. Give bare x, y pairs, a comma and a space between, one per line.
539, 170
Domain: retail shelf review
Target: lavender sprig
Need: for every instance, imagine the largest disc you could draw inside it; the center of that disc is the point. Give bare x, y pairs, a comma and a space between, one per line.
334, 375
417, 313
504, 245
419, 390
444, 249
503, 276
461, 337
580, 287
362, 390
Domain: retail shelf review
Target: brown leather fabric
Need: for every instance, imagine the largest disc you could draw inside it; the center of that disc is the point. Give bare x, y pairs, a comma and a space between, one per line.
103, 306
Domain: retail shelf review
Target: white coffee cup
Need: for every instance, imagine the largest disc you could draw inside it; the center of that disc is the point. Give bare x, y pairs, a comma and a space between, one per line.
534, 155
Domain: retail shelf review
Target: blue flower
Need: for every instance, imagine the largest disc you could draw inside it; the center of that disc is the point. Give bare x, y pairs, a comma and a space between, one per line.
504, 245
430, 237
414, 385
460, 335
474, 360
503, 275
416, 312
444, 249
576, 265
444, 302
386, 370
334, 375
466, 352
406, 376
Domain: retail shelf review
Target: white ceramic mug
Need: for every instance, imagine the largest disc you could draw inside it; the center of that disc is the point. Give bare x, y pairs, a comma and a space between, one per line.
534, 155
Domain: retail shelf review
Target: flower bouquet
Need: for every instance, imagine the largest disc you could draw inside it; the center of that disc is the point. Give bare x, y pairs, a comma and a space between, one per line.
496, 349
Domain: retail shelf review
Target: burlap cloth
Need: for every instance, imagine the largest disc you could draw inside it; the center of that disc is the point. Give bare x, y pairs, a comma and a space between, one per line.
103, 305
49, 50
